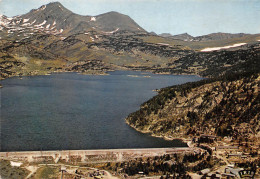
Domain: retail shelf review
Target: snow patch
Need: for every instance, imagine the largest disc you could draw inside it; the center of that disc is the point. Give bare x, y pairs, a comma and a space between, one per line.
93, 19
219, 48
54, 23
163, 44
92, 39
44, 22
48, 26
26, 24
43, 7
96, 36
53, 27
15, 164
25, 20
61, 30
33, 22
258, 40
112, 31
60, 7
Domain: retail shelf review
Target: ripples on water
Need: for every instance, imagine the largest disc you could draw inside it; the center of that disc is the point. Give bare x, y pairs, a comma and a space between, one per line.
71, 111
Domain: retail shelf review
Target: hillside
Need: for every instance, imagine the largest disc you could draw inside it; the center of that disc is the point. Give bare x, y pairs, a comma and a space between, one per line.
55, 39
222, 107
217, 63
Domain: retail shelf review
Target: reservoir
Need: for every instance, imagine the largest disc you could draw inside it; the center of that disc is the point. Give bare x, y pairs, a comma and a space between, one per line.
69, 111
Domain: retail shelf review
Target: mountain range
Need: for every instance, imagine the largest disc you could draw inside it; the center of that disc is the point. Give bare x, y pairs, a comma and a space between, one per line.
56, 19
53, 38
209, 37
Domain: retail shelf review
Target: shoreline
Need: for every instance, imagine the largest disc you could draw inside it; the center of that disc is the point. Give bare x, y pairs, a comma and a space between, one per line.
46, 73
183, 139
90, 150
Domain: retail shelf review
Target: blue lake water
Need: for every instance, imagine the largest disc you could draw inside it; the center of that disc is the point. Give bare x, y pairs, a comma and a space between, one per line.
71, 111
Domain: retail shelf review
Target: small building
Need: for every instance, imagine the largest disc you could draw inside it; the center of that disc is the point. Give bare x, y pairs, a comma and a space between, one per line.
233, 171
204, 171
63, 168
141, 173
204, 138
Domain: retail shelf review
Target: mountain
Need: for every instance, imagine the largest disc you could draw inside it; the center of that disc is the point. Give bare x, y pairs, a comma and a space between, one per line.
165, 35
184, 37
204, 38
152, 33
115, 21
52, 38
218, 36
56, 19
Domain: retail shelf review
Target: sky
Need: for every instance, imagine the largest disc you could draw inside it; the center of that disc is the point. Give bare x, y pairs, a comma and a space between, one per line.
196, 17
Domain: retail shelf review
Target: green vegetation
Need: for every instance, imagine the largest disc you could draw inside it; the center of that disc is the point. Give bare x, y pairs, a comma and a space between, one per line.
220, 106
7, 171
174, 165
47, 172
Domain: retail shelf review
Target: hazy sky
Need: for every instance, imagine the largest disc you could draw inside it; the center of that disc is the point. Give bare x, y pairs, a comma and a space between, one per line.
196, 17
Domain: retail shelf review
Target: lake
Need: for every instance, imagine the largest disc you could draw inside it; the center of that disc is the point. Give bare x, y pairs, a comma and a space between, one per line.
69, 111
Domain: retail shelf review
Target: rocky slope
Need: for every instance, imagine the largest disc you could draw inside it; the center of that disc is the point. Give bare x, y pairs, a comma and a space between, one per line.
222, 107
54, 18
